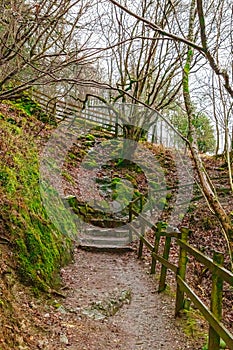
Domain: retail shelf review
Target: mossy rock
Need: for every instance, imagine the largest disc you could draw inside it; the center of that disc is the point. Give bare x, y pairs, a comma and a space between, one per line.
68, 177
89, 164
169, 195
162, 203
103, 180
115, 181
89, 143
71, 155
132, 180
90, 137
82, 153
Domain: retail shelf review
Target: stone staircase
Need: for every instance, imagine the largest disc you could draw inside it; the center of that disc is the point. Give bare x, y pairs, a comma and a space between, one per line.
105, 238
96, 230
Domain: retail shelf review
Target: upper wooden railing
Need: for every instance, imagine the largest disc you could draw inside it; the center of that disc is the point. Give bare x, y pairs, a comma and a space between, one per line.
160, 132
213, 315
62, 110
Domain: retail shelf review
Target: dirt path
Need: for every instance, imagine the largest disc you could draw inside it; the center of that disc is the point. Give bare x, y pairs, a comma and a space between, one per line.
95, 278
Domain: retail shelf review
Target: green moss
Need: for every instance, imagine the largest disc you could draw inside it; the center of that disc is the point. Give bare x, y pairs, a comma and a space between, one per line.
90, 137
89, 143
192, 323
132, 180
89, 164
72, 155
32, 108
222, 345
169, 195
162, 203
39, 247
155, 185
68, 177
115, 181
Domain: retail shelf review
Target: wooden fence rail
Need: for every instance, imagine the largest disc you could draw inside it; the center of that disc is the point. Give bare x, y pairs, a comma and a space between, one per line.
64, 110
159, 132
213, 315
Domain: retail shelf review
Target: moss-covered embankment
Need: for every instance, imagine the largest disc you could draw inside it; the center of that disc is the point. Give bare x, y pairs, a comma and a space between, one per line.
38, 248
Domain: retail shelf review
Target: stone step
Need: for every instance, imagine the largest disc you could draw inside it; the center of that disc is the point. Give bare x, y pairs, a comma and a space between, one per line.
103, 242
106, 232
105, 246
105, 223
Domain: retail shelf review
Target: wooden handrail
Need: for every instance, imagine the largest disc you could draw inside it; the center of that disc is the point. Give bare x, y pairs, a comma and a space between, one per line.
210, 317
51, 101
226, 275
213, 316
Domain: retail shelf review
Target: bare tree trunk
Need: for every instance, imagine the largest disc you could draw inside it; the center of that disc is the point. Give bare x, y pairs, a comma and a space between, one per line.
217, 147
204, 180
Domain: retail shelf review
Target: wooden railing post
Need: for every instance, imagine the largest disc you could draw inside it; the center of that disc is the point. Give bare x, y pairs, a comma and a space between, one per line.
130, 219
216, 303
130, 211
141, 241
153, 135
181, 270
156, 247
54, 107
163, 274
141, 203
116, 127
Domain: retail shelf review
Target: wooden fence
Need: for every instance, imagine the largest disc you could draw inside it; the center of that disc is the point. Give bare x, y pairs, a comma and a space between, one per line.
160, 132
213, 315
62, 110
